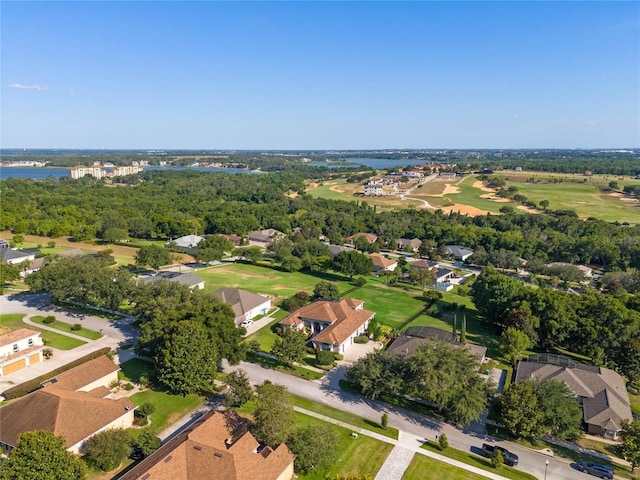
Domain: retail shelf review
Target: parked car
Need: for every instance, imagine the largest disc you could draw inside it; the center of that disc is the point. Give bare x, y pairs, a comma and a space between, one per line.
246, 323
489, 451
596, 469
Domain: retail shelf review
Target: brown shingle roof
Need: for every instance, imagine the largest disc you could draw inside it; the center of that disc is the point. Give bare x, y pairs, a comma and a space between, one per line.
202, 452
78, 377
370, 237
606, 401
380, 261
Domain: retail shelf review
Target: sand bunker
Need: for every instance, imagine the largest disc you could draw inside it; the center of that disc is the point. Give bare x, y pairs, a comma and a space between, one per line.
493, 198
479, 185
448, 188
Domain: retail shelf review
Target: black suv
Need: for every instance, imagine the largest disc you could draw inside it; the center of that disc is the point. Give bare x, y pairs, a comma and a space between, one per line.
596, 469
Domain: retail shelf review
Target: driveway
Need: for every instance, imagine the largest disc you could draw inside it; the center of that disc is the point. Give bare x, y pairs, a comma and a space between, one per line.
115, 334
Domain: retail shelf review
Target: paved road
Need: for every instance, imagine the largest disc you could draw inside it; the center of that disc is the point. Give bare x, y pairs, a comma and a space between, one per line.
115, 334
412, 425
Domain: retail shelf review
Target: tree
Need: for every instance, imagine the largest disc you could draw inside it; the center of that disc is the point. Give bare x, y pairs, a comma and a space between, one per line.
513, 344
631, 442
423, 277
153, 255
106, 450
463, 330
497, 459
384, 420
562, 414
212, 248
352, 263
291, 263
147, 442
628, 359
113, 235
544, 204
443, 441
290, 346
250, 254
186, 358
240, 391
315, 447
377, 373
8, 273
273, 419
325, 290
518, 409
40, 454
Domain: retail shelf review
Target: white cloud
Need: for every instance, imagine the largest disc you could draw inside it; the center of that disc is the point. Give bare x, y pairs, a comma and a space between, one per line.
20, 86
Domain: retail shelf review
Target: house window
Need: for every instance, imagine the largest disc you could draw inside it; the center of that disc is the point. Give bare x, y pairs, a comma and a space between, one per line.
15, 347
30, 341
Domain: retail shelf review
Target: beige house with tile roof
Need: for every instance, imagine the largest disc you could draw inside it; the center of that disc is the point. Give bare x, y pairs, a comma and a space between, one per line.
333, 324
382, 264
216, 447
601, 391
75, 404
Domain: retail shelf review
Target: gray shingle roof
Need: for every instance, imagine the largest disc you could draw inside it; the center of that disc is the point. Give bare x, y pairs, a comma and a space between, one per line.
241, 301
188, 279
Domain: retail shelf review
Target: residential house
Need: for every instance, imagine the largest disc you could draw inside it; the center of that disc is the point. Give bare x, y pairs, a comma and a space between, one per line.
447, 175
443, 275
189, 279
188, 243
586, 271
413, 244
32, 266
236, 240
13, 256
382, 264
19, 349
412, 173
428, 264
369, 237
333, 324
336, 249
601, 392
372, 190
263, 238
406, 344
75, 404
246, 305
459, 252
218, 446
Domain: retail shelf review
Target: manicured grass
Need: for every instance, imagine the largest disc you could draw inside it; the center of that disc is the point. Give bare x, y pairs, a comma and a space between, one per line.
361, 455
478, 461
265, 336
13, 321
343, 416
66, 327
469, 195
325, 190
293, 370
260, 279
168, 408
422, 464
131, 370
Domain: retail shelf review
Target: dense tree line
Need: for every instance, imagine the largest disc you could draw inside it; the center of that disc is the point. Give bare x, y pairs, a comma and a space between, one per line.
601, 326
171, 204
437, 373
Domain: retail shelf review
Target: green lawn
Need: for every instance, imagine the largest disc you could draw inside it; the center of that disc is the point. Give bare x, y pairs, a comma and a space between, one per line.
168, 408
131, 370
324, 191
478, 461
13, 321
469, 195
422, 464
265, 336
343, 416
66, 327
361, 455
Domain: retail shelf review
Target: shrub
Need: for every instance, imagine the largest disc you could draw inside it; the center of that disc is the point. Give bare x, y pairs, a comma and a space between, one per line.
443, 442
76, 327
338, 356
128, 386
497, 459
146, 409
360, 282
384, 421
106, 450
324, 357
47, 353
253, 347
310, 350
51, 244
49, 319
144, 380
361, 339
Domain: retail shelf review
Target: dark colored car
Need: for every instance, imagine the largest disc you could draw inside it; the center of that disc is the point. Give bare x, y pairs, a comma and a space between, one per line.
596, 469
489, 451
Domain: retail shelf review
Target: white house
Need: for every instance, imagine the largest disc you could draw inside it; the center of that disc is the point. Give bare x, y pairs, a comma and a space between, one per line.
372, 190
461, 253
382, 264
188, 242
246, 305
19, 349
13, 256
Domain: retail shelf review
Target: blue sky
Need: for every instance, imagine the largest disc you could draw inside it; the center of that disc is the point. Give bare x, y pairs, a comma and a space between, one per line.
320, 75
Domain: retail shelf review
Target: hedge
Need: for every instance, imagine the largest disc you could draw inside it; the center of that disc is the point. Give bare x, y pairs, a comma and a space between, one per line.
361, 339
34, 384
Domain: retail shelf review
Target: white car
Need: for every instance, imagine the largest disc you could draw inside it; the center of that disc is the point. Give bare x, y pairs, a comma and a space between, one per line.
246, 323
